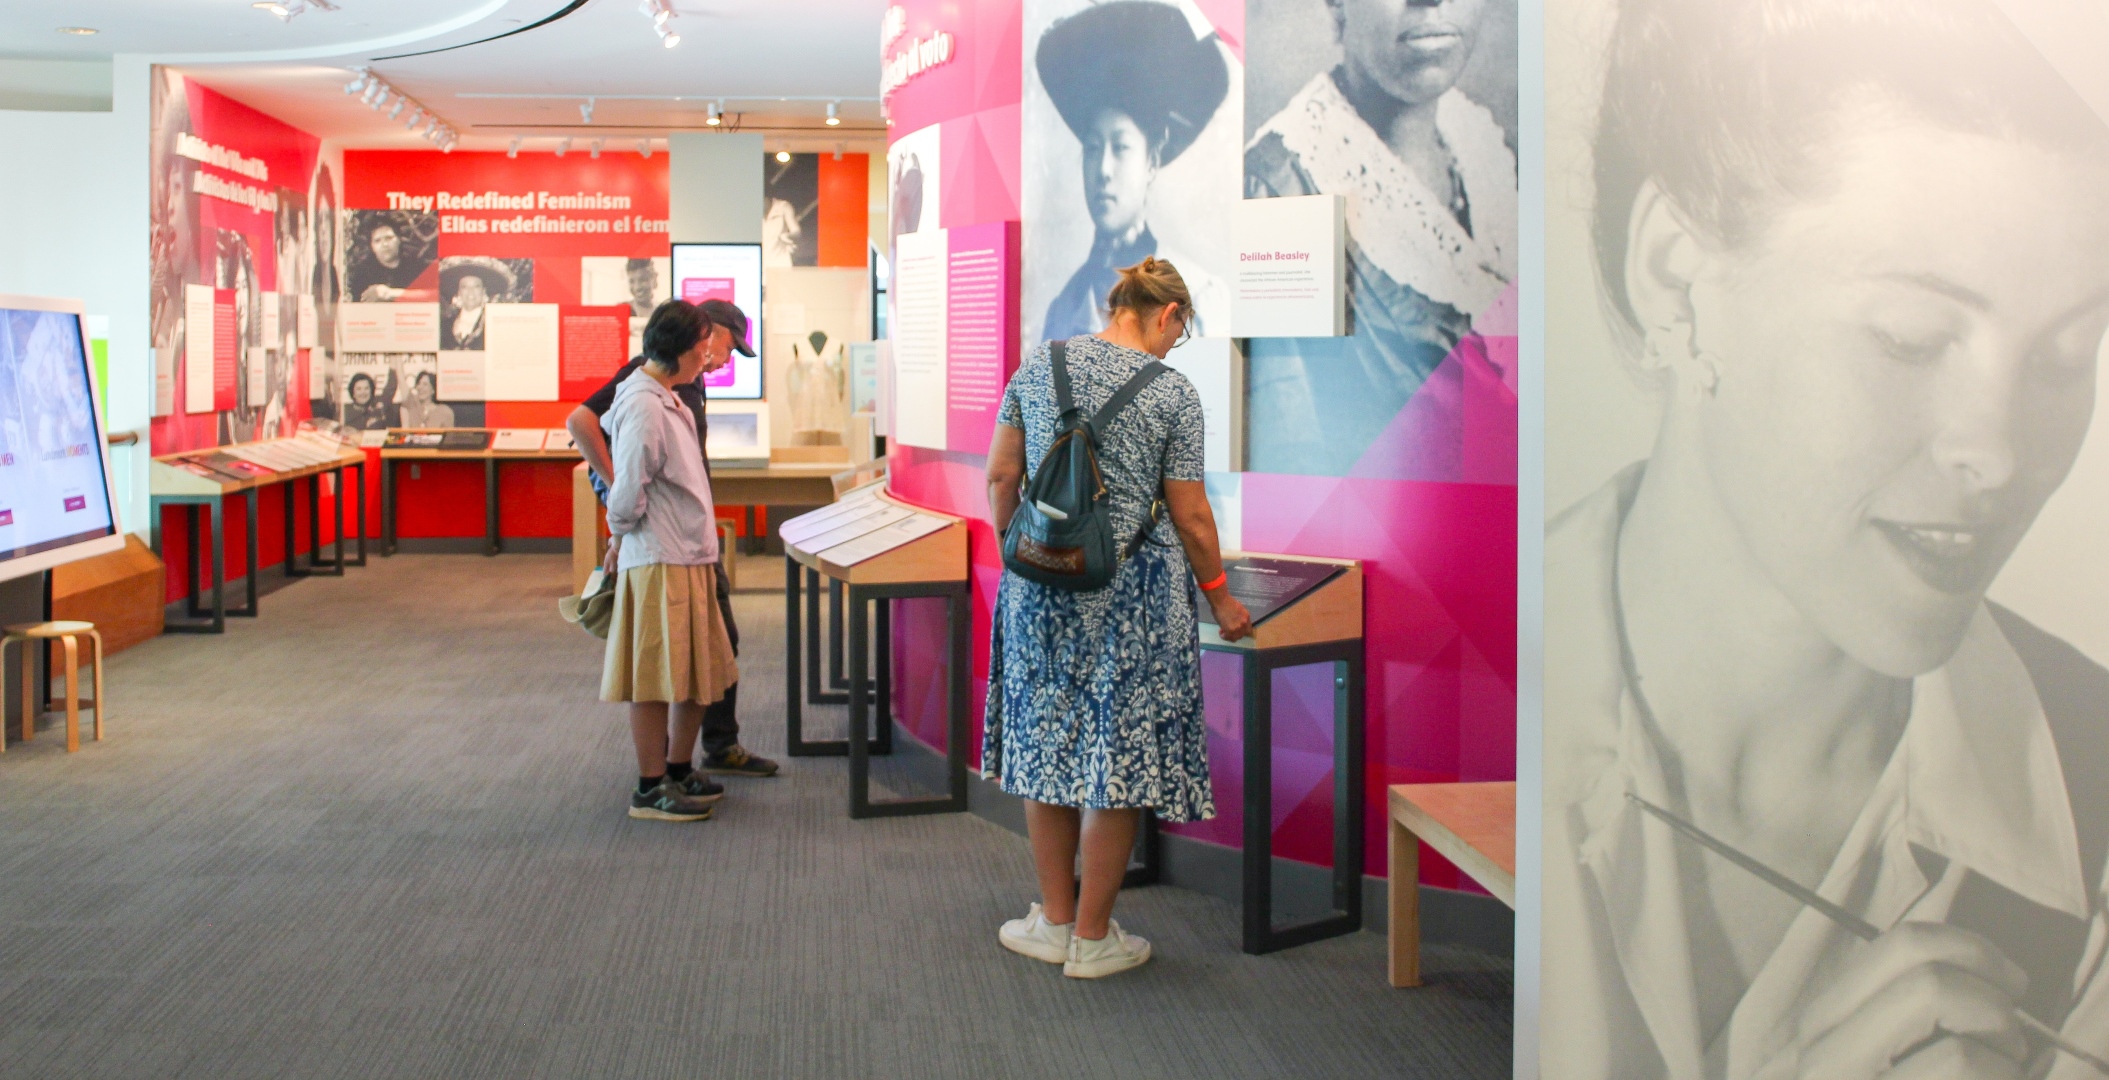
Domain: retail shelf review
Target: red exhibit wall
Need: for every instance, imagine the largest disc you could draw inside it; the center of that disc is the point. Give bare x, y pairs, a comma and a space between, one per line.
1439, 548
236, 208
447, 499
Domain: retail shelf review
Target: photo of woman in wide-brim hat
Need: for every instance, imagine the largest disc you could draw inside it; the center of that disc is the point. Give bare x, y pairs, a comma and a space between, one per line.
1136, 85
469, 283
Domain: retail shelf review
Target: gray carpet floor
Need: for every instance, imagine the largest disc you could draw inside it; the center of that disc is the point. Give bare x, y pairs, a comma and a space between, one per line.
379, 832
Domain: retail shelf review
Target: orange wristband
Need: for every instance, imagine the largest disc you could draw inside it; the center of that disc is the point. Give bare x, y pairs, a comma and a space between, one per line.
1211, 586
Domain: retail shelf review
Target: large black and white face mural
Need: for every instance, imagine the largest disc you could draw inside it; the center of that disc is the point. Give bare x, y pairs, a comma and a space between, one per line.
1827, 285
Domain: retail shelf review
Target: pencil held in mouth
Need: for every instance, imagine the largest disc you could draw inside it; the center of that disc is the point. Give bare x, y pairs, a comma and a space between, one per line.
1852, 923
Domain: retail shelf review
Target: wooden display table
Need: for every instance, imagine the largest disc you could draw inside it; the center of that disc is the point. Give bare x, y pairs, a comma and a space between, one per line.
1320, 624
792, 478
876, 550
173, 480
491, 457
1474, 826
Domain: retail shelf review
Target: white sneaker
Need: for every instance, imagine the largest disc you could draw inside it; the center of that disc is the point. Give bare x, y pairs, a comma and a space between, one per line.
1034, 936
1114, 953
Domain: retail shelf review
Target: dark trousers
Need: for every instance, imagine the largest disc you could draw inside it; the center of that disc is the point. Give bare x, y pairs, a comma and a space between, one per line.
721, 729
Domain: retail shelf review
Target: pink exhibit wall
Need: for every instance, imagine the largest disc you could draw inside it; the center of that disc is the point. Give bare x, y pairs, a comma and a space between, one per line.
1429, 505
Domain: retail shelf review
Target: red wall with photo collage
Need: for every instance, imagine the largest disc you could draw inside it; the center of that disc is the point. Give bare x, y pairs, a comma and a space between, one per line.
192, 223
446, 499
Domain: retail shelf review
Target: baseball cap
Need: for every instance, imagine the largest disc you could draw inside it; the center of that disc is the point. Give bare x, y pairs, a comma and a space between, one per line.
724, 313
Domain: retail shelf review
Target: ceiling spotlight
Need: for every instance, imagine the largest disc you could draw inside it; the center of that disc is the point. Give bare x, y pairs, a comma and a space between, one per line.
593, 149
431, 127
838, 151
398, 110
373, 90
416, 115
586, 111
783, 155
358, 83
832, 119
717, 114
563, 146
284, 13
514, 149
644, 149
79, 31
661, 12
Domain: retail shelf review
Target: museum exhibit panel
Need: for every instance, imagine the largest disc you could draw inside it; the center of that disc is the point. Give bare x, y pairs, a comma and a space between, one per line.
1652, 440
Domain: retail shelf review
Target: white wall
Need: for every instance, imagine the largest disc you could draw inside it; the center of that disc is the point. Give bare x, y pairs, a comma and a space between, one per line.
714, 188
73, 223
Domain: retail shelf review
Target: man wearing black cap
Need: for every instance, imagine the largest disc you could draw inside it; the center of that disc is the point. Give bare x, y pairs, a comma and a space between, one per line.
722, 752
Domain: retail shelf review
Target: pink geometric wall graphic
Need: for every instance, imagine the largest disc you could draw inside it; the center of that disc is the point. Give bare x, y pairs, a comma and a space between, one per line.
1430, 508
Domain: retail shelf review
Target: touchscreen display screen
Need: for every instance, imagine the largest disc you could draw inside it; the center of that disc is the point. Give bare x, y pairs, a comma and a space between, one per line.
52, 489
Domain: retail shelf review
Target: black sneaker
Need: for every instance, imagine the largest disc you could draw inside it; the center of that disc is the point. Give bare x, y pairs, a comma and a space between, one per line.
734, 760
667, 803
701, 788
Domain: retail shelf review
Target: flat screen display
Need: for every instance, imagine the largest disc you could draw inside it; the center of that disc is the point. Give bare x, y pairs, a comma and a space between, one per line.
726, 272
54, 488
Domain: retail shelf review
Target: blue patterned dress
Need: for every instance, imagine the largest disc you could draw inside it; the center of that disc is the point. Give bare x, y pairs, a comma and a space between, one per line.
1095, 698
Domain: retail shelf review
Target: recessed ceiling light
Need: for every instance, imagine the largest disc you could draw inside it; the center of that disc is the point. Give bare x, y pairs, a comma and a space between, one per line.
79, 31
284, 13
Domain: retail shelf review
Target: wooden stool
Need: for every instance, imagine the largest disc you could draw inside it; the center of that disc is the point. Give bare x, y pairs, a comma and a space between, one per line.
68, 632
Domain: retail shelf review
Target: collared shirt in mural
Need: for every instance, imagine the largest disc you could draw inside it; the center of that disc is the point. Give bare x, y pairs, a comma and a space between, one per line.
1420, 271
1095, 697
1972, 823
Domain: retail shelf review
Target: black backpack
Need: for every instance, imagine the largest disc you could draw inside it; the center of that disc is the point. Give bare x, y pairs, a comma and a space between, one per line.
1062, 534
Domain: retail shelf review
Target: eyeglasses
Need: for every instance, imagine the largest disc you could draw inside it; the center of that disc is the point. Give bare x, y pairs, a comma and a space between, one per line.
1186, 328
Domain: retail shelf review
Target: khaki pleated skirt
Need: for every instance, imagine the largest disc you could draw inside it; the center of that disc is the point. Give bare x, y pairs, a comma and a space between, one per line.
667, 639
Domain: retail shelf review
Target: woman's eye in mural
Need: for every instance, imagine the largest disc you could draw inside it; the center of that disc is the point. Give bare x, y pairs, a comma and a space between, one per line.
1910, 348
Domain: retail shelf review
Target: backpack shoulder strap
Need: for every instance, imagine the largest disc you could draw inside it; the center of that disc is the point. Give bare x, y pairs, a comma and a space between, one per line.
1135, 385
1058, 357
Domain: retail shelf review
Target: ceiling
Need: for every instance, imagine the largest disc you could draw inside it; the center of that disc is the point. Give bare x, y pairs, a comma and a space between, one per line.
452, 56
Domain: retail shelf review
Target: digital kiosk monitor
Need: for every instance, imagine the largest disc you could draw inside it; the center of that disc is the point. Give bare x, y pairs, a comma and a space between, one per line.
55, 500
726, 272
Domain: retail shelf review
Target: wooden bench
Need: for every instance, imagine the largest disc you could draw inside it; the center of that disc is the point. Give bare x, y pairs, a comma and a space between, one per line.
1472, 825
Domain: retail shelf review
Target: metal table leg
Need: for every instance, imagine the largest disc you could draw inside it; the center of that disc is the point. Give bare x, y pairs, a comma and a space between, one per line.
387, 507
490, 506
1260, 933
249, 505
817, 691
958, 626
837, 679
197, 622
802, 668
360, 469
289, 568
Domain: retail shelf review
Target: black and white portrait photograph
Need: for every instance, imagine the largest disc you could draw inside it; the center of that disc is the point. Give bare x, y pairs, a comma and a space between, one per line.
389, 256
467, 283
1824, 795
1408, 110
1131, 131
912, 165
641, 284
790, 210
321, 283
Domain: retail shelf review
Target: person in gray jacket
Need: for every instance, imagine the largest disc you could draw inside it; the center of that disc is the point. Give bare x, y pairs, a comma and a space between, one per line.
669, 652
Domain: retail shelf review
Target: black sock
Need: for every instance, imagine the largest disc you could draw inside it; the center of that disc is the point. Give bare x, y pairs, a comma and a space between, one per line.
645, 784
678, 771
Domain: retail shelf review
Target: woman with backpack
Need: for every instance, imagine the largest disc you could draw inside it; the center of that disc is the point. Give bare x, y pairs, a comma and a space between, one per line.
1094, 710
